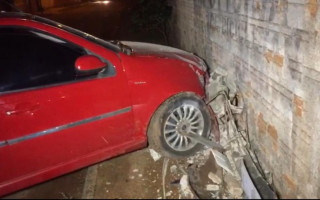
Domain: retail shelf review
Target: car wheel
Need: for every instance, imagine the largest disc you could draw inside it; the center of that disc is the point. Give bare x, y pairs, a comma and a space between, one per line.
182, 114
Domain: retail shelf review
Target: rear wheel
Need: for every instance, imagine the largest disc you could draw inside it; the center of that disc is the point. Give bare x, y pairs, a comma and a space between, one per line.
180, 115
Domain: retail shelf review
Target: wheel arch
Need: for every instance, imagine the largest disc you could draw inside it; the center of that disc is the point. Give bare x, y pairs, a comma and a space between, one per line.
170, 98
165, 105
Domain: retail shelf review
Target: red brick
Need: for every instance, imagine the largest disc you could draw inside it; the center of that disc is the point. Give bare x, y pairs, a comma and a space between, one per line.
274, 57
313, 7
268, 55
273, 132
262, 125
298, 105
298, 101
278, 60
298, 112
289, 181
258, 5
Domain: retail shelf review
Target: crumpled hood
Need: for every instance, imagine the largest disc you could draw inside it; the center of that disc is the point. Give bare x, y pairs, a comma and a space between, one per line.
141, 48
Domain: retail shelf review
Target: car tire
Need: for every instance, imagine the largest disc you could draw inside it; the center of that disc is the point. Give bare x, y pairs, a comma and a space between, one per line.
180, 114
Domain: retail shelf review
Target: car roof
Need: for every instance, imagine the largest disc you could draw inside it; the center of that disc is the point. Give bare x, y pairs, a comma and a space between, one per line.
27, 16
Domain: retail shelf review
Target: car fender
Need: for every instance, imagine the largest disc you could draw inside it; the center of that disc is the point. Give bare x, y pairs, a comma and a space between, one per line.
152, 80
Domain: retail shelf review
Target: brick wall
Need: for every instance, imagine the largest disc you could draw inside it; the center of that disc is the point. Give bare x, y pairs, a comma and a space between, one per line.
272, 48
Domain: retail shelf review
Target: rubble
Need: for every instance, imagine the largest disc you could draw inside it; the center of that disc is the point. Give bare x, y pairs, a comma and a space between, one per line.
222, 161
185, 191
155, 155
199, 178
227, 103
168, 194
173, 169
212, 187
210, 173
214, 178
200, 157
233, 186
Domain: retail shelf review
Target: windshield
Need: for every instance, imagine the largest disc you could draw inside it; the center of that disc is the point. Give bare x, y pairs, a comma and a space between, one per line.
87, 36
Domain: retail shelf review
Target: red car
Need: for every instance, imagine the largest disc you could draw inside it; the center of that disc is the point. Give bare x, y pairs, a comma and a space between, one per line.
68, 100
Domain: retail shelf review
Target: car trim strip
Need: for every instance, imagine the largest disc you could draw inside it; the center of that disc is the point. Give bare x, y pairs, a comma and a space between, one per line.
63, 127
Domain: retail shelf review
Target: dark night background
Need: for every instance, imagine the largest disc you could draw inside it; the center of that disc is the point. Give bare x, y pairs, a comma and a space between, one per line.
131, 20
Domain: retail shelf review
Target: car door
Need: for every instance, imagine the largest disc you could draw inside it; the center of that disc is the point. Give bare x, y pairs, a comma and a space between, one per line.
51, 120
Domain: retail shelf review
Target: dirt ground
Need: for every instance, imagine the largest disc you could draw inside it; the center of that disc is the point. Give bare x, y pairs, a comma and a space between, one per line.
134, 175
137, 175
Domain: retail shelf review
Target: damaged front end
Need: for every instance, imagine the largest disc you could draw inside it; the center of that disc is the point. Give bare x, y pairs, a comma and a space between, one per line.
223, 97
225, 101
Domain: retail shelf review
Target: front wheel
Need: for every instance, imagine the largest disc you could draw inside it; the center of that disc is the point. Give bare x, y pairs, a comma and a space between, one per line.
179, 116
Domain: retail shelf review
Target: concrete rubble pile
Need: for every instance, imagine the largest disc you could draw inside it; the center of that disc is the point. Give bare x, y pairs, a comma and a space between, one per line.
223, 174
227, 104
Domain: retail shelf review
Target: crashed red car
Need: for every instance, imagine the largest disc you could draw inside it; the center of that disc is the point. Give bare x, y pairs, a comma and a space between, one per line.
69, 100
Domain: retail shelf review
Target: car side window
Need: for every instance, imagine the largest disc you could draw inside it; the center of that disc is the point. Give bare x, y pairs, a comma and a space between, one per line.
31, 58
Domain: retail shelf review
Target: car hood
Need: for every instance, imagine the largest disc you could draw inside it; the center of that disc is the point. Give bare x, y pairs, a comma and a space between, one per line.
141, 48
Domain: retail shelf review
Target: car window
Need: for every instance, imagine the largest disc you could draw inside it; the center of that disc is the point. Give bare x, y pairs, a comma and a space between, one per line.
91, 38
31, 58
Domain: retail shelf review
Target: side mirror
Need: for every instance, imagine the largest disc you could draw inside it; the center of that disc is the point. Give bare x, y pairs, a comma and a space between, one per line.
89, 65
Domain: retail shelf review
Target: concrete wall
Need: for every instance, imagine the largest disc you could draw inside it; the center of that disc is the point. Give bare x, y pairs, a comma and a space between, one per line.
272, 48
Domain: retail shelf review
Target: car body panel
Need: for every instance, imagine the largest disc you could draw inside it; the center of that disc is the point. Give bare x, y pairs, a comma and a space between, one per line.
152, 81
60, 128
39, 110
161, 51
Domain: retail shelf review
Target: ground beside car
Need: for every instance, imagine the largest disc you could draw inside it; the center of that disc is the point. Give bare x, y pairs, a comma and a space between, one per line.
141, 174
134, 175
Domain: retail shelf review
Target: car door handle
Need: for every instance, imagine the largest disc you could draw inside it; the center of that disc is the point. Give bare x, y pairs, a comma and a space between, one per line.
23, 108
